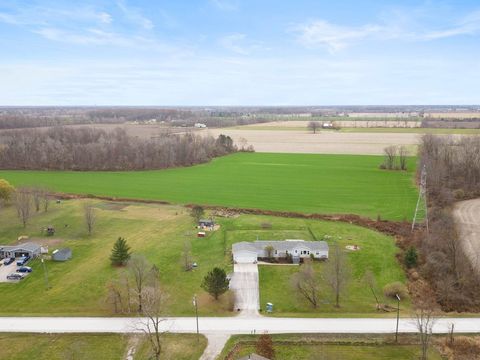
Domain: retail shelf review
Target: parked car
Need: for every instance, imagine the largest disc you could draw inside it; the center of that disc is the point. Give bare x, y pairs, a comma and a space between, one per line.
23, 260
15, 276
8, 261
24, 269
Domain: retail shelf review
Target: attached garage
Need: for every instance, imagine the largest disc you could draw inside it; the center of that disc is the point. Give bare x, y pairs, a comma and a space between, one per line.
244, 253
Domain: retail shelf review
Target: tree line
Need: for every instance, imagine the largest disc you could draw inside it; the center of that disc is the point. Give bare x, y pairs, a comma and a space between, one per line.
453, 174
64, 148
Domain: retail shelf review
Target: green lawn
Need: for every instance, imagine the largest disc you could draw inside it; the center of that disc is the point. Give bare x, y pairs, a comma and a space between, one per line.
159, 232
326, 347
307, 183
377, 253
95, 346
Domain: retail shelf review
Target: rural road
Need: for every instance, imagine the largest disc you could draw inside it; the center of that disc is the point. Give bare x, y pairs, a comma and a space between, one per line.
467, 216
229, 325
218, 330
245, 284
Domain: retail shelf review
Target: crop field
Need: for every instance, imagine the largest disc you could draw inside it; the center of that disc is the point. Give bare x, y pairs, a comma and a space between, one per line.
286, 182
79, 286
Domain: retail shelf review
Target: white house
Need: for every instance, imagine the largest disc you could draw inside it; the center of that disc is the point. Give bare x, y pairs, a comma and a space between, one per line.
250, 252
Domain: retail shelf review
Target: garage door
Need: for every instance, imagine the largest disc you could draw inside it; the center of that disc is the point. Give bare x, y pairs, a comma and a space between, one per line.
245, 258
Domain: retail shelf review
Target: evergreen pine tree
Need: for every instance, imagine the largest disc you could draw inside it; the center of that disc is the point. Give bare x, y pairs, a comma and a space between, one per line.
120, 252
216, 282
411, 257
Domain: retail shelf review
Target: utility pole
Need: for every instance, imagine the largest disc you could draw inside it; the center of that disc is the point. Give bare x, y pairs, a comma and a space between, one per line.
45, 272
195, 303
421, 208
398, 317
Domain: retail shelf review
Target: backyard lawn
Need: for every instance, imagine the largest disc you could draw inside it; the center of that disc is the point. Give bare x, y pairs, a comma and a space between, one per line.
306, 183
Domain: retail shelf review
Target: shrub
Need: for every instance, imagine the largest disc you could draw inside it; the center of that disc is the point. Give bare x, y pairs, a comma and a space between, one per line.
392, 289
411, 257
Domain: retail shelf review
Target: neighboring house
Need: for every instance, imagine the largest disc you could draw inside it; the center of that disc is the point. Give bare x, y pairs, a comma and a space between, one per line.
62, 254
26, 249
250, 252
206, 224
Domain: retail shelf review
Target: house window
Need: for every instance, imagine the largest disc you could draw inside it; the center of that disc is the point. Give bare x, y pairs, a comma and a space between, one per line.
296, 251
276, 252
318, 253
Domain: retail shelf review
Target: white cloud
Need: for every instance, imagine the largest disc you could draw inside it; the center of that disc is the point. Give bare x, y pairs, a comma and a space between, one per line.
333, 37
225, 5
234, 42
469, 25
321, 33
135, 16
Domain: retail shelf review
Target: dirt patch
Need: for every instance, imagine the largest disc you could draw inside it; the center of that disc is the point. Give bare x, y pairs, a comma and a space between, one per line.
110, 205
44, 241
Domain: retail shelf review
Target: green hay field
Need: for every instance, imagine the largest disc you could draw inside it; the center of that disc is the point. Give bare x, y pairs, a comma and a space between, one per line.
306, 183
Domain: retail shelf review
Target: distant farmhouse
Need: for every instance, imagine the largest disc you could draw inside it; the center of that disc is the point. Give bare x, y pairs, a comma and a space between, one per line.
250, 252
27, 249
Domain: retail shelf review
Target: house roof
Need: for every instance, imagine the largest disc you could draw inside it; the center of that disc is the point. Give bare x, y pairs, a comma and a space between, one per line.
25, 246
280, 245
205, 221
64, 251
243, 246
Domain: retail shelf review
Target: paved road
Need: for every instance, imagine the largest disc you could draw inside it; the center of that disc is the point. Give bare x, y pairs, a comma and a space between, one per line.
245, 284
467, 216
229, 325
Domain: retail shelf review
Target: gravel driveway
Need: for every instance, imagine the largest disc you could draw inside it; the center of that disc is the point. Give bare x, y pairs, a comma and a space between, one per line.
467, 216
245, 284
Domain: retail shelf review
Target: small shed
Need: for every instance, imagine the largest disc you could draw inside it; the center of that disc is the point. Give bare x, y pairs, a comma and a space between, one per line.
206, 223
62, 254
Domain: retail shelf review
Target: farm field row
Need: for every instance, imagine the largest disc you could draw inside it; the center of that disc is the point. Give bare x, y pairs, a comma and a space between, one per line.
372, 130
79, 287
307, 183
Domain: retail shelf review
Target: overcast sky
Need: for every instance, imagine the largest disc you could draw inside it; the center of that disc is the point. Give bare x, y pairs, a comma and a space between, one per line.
239, 52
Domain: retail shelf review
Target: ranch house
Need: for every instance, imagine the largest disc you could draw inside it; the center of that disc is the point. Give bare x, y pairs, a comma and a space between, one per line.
250, 252
27, 249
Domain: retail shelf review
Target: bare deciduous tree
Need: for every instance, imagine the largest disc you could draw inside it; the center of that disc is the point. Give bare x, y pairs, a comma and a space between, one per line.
187, 256
142, 273
23, 204
307, 284
153, 300
370, 281
402, 157
424, 318
314, 126
390, 157
337, 272
90, 217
